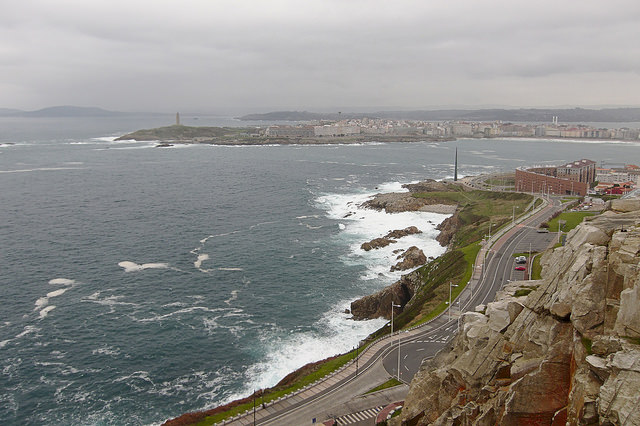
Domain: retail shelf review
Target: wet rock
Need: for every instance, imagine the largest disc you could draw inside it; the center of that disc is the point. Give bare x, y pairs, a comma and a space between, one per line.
377, 243
411, 259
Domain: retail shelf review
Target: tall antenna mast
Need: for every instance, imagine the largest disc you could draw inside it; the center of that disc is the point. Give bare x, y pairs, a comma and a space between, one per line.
455, 167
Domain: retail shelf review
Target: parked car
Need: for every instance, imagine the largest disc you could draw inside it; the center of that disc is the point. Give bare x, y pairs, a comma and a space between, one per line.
543, 231
520, 268
521, 259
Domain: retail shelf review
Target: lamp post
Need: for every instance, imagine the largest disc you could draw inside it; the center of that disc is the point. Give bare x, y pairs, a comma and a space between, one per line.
490, 231
513, 215
451, 285
393, 305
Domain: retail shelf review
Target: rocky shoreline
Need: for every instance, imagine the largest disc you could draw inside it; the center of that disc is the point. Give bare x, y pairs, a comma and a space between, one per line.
402, 291
376, 305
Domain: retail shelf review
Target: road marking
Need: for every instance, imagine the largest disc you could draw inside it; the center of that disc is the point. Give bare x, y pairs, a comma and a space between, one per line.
359, 416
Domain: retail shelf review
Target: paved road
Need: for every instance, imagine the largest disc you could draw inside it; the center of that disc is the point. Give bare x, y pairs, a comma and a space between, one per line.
341, 393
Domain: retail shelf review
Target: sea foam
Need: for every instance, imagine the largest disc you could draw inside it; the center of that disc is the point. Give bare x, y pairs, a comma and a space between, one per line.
134, 267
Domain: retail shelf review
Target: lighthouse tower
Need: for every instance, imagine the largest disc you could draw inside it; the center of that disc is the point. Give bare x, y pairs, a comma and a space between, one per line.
177, 118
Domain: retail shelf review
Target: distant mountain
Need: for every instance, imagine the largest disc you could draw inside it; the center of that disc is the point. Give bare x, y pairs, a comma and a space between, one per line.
523, 114
71, 111
9, 111
61, 111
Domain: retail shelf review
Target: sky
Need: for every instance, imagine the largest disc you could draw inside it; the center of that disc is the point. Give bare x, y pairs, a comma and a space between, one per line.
265, 55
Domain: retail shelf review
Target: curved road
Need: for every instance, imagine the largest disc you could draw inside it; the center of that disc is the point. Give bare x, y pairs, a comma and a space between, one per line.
341, 393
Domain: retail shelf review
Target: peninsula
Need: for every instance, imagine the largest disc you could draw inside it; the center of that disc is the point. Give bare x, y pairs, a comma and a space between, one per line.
179, 134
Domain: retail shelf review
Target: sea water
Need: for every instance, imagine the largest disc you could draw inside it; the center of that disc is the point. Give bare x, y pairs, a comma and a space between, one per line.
138, 283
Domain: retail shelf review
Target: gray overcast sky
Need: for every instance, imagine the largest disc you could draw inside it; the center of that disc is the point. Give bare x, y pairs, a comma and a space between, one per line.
258, 55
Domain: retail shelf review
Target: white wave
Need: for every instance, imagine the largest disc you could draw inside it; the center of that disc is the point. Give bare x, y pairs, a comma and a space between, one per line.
62, 281
44, 312
110, 301
134, 267
234, 296
230, 269
333, 334
360, 225
57, 293
106, 350
27, 330
198, 262
41, 169
180, 312
41, 302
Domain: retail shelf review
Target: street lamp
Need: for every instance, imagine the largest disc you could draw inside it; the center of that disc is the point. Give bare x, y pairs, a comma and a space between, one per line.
513, 215
490, 230
451, 285
391, 342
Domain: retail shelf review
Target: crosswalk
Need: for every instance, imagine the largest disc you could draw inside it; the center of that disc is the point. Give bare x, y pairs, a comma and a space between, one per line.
360, 416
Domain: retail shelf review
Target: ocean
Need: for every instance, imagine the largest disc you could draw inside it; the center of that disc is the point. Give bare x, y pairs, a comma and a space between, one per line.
139, 283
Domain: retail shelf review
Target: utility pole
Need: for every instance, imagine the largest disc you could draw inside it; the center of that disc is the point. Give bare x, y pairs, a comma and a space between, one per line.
391, 342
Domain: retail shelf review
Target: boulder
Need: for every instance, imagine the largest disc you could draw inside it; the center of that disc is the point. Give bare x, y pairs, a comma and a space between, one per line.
377, 243
411, 259
399, 233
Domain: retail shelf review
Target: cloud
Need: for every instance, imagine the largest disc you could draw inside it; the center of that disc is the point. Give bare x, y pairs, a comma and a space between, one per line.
204, 55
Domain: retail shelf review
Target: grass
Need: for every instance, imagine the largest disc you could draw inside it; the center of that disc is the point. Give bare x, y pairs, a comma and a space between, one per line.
479, 209
386, 385
572, 220
586, 342
536, 268
326, 368
522, 292
567, 199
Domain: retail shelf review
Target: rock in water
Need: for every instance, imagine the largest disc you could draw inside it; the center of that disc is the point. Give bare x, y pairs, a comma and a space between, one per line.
411, 259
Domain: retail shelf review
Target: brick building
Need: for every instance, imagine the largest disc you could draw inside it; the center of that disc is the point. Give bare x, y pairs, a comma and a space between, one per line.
569, 179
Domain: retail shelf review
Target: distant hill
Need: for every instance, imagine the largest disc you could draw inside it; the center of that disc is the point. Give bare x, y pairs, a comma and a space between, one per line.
522, 114
61, 111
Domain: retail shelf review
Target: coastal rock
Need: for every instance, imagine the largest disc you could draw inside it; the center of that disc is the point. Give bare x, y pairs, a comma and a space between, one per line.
408, 201
430, 185
377, 243
448, 229
565, 353
399, 233
412, 258
379, 304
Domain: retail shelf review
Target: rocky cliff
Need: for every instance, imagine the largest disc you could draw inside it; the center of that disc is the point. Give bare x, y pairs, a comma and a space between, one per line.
561, 350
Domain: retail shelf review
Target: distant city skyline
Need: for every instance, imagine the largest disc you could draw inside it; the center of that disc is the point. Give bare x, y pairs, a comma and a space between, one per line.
253, 56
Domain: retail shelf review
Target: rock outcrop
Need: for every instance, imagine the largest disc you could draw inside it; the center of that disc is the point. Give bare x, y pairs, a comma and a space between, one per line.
377, 243
379, 304
406, 201
390, 238
561, 350
411, 259
399, 233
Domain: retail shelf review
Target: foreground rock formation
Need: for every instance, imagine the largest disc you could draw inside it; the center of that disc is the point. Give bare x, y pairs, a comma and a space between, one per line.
561, 350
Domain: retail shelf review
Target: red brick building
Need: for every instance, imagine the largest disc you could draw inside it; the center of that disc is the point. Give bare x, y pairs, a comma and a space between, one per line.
569, 179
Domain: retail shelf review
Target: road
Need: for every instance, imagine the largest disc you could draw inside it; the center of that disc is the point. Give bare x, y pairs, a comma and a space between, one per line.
342, 393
